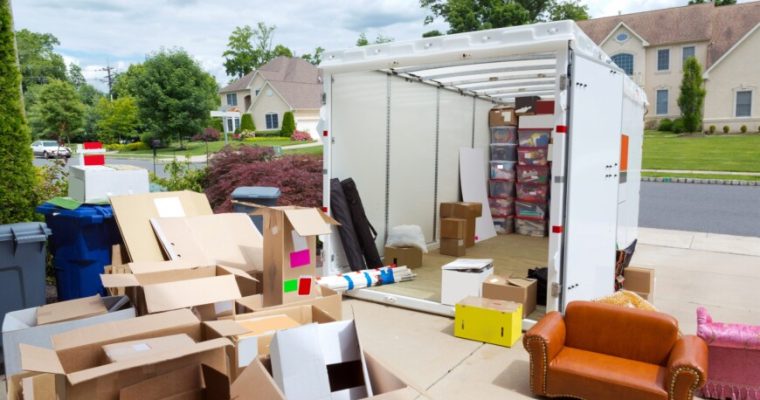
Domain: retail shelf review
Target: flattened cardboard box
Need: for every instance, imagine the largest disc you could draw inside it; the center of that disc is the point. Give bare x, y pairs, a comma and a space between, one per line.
133, 214
402, 256
72, 309
122, 351
519, 290
77, 356
327, 300
21, 326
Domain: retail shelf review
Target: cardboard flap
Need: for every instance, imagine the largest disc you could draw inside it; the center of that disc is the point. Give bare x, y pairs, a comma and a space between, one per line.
146, 267
72, 309
469, 264
192, 292
328, 219
39, 359
255, 383
217, 383
160, 387
521, 282
307, 221
226, 328
237, 272
118, 280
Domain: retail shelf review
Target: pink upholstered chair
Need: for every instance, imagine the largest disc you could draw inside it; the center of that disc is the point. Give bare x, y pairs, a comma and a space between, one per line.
733, 370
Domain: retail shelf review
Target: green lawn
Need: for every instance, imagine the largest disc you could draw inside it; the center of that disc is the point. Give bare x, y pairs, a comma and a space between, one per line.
737, 153
702, 176
316, 150
199, 148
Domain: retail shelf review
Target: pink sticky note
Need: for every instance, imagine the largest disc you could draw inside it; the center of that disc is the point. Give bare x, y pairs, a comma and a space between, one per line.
299, 258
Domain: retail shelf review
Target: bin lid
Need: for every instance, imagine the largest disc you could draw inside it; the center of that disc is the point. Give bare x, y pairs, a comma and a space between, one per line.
255, 192
24, 232
89, 212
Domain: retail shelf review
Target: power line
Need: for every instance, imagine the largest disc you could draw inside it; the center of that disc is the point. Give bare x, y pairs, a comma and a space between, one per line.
110, 76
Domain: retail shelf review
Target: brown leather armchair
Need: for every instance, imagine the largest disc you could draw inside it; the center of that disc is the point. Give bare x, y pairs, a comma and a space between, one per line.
607, 352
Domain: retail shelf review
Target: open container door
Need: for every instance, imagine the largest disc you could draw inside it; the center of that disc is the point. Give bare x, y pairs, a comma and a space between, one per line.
593, 152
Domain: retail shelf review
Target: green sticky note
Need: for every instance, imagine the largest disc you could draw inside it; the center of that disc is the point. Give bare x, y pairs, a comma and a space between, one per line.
290, 285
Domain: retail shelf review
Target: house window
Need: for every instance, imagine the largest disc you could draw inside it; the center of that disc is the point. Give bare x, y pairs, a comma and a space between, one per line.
231, 99
272, 122
744, 103
230, 128
621, 37
624, 61
663, 59
662, 102
257, 92
237, 123
688, 51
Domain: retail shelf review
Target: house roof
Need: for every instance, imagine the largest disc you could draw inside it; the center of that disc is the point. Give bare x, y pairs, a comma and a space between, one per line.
240, 84
721, 26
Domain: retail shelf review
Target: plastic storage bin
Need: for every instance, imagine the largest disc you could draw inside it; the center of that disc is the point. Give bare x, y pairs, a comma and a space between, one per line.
503, 152
81, 244
500, 188
530, 226
531, 209
23, 254
502, 206
261, 195
532, 174
504, 134
532, 191
534, 137
503, 170
504, 225
531, 156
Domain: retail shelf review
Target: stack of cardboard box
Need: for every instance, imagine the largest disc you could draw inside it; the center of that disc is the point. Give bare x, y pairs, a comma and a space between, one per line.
536, 123
501, 185
458, 226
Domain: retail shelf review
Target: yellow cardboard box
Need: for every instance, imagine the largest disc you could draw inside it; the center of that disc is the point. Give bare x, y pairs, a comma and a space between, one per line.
497, 322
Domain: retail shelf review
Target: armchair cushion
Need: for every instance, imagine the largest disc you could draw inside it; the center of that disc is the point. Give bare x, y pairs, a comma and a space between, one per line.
738, 336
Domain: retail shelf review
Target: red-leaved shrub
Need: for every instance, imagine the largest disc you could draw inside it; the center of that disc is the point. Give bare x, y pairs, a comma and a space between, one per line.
299, 177
208, 135
300, 136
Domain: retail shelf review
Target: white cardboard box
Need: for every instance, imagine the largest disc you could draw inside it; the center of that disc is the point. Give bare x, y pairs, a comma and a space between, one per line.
98, 182
464, 277
21, 327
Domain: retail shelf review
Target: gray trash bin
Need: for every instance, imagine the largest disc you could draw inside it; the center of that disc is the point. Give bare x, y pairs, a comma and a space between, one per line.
261, 195
23, 253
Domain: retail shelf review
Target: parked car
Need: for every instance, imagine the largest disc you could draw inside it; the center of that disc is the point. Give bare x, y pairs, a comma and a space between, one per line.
50, 149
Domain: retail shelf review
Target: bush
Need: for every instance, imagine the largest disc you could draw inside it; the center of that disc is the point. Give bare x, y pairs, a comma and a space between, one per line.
666, 125
743, 129
136, 146
216, 123
208, 135
268, 133
147, 138
726, 129
712, 129
182, 176
52, 180
246, 123
679, 126
300, 136
114, 147
246, 134
288, 124
299, 177
651, 124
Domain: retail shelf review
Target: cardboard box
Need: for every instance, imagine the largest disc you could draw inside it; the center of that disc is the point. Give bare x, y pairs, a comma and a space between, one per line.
251, 334
171, 285
452, 247
519, 290
497, 322
72, 309
463, 278
290, 252
640, 281
402, 256
327, 300
543, 121
94, 183
544, 107
78, 362
226, 239
502, 116
21, 326
124, 351
194, 382
453, 228
468, 211
133, 214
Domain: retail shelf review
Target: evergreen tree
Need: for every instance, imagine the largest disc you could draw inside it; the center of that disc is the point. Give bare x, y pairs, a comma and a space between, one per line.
692, 96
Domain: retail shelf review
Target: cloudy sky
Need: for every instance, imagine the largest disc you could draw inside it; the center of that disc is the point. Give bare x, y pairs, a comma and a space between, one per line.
94, 33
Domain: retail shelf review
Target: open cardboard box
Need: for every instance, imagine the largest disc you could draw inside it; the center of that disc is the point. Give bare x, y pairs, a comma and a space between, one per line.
194, 382
81, 370
326, 299
511, 288
21, 326
171, 285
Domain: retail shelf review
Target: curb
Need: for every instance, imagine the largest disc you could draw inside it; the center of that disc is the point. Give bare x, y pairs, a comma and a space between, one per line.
732, 182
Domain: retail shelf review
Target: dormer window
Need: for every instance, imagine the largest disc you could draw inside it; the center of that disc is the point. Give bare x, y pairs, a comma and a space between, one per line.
622, 37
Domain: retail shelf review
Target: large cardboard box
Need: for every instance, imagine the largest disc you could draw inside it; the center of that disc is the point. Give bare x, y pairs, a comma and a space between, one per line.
133, 214
82, 372
21, 326
290, 243
452, 247
97, 182
519, 290
464, 277
453, 228
402, 256
485, 320
326, 299
123, 351
194, 382
640, 281
465, 210
502, 116
171, 285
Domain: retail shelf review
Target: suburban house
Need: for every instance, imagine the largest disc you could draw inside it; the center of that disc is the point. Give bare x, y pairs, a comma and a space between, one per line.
283, 84
652, 46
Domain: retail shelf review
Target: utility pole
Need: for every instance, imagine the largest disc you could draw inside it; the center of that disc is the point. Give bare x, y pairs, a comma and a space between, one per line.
110, 75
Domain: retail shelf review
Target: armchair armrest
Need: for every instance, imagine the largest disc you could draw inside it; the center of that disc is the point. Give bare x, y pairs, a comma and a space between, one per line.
543, 342
687, 367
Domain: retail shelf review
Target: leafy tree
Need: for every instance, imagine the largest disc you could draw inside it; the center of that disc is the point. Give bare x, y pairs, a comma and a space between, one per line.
75, 76
288, 124
17, 175
281, 50
117, 119
362, 40
433, 33
572, 9
240, 56
717, 2
692, 96
174, 95
315, 58
125, 83
246, 123
60, 112
39, 63
216, 123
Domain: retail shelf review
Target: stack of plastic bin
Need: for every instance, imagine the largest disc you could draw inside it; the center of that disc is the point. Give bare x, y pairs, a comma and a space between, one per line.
532, 189
501, 185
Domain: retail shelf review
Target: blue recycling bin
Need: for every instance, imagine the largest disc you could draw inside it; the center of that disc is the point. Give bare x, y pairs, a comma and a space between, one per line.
261, 195
81, 243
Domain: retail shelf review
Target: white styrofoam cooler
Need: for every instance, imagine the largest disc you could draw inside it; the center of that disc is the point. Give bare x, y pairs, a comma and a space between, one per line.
97, 182
464, 277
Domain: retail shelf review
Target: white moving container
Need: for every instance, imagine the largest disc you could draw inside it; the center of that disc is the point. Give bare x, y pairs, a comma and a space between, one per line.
396, 115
